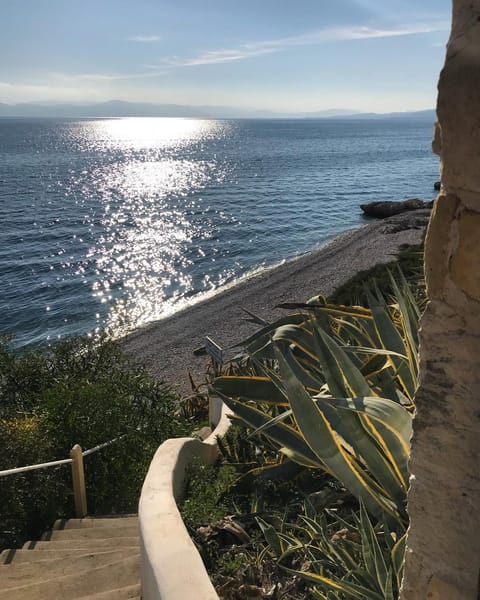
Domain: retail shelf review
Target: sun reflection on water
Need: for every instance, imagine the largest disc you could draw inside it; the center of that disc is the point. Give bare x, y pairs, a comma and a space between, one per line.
154, 223
142, 133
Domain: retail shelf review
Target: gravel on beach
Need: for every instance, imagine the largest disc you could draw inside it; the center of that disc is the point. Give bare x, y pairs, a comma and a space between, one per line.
166, 347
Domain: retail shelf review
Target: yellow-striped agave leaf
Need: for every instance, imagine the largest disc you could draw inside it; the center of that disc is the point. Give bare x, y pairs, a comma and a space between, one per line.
327, 445
280, 433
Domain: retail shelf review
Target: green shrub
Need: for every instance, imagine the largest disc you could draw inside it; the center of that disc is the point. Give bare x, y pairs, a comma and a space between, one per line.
80, 392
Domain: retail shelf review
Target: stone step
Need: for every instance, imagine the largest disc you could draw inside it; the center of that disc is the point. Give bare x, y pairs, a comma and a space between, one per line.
20, 556
17, 574
116, 575
91, 545
125, 593
91, 533
89, 522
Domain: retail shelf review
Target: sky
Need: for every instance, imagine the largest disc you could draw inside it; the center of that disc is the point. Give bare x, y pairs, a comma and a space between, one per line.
281, 55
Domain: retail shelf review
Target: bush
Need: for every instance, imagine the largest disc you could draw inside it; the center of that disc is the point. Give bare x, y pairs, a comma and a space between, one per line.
80, 392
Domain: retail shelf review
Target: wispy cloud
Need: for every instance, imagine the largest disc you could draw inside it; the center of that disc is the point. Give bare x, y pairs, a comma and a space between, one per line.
332, 34
99, 77
144, 39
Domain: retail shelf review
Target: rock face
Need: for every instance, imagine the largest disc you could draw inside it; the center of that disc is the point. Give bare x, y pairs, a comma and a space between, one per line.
443, 545
381, 210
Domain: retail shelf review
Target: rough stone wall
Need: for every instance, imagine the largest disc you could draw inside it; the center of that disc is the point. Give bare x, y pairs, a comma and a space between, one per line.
443, 547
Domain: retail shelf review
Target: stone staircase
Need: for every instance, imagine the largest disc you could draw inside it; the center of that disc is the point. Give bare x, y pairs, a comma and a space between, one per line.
88, 559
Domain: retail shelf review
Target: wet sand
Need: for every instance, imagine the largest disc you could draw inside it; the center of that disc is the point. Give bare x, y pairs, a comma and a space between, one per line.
166, 347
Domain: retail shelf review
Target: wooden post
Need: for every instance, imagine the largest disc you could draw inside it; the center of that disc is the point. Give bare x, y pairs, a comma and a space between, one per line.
78, 479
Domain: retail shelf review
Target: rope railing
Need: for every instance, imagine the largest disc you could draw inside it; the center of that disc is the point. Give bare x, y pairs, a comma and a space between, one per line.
104, 445
53, 463
78, 472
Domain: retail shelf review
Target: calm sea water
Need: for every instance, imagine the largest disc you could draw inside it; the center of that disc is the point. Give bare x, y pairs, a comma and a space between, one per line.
115, 223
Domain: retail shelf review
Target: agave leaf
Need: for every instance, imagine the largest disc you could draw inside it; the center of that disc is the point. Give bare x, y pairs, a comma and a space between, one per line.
412, 301
398, 558
357, 333
255, 318
342, 376
354, 426
389, 595
302, 459
327, 446
338, 310
390, 425
409, 327
375, 351
271, 536
391, 339
391, 414
349, 589
265, 332
282, 434
300, 338
266, 371
304, 372
283, 471
280, 418
372, 553
297, 335
256, 388
410, 322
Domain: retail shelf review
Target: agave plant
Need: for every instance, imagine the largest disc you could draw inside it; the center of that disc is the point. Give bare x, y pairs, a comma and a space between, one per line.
333, 387
340, 558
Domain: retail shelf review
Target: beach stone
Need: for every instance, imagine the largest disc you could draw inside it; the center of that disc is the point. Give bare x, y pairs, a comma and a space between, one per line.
381, 210
437, 185
443, 543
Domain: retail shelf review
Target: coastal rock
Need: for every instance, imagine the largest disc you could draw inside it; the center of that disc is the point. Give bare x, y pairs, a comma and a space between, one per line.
417, 219
437, 185
383, 209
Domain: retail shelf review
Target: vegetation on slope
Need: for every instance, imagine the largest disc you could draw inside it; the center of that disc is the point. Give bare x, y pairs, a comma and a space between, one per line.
326, 393
77, 392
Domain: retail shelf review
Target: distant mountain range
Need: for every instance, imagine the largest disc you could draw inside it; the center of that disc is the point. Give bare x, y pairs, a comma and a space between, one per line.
119, 108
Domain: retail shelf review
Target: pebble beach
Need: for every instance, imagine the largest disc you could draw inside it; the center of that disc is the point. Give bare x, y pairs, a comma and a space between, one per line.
166, 347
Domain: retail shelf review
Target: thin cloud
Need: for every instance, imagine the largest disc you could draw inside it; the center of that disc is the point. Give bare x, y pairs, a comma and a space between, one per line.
96, 77
144, 39
333, 34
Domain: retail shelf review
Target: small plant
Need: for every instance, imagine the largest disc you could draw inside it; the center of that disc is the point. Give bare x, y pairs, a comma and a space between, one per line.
341, 557
204, 493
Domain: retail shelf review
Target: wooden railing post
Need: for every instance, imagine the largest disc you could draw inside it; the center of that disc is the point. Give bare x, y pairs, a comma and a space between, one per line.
78, 478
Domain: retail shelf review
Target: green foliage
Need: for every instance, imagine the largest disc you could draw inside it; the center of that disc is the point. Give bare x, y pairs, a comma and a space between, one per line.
205, 489
342, 558
409, 262
76, 392
334, 392
331, 387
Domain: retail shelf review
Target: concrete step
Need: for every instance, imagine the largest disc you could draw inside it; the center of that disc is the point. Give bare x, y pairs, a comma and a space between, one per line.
125, 593
91, 545
116, 575
89, 522
20, 556
91, 533
18, 574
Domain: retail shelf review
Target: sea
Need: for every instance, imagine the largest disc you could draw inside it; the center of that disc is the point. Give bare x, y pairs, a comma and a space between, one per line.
110, 224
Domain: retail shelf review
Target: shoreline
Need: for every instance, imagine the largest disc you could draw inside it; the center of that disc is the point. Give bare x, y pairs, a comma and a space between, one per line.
166, 346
